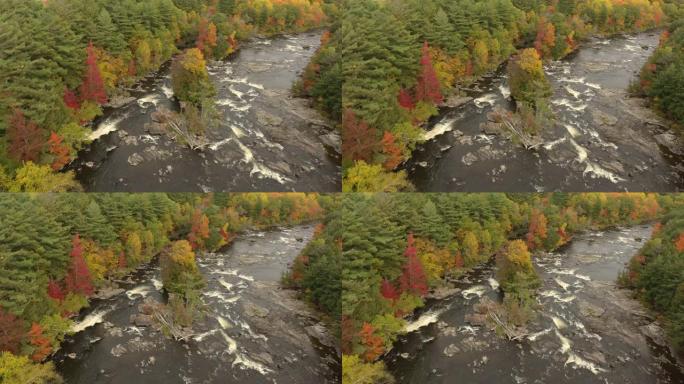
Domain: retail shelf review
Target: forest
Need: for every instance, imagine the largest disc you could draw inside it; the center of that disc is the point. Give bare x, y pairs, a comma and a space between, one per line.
64, 61
404, 59
399, 248
60, 250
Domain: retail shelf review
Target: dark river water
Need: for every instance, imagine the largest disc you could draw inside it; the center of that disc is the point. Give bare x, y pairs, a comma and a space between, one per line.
600, 139
253, 331
266, 140
586, 331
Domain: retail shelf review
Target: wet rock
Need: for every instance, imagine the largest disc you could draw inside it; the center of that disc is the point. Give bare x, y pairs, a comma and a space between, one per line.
670, 141
107, 293
332, 140
142, 320
443, 292
451, 350
146, 307
476, 319
119, 101
265, 118
253, 310
135, 159
455, 101
118, 351
130, 140
654, 332
602, 118
320, 332
590, 310
469, 159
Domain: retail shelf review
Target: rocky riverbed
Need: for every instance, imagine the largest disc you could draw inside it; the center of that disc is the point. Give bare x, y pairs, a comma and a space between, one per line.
587, 330
601, 139
266, 139
253, 331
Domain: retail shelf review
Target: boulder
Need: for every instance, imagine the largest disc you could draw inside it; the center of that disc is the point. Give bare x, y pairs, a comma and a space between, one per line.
602, 118
590, 310
142, 320
476, 319
451, 350
135, 159
469, 159
265, 118
253, 310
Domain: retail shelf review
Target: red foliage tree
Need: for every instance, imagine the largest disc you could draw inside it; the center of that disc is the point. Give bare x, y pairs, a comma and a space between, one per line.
374, 346
388, 291
413, 278
24, 137
199, 230
679, 244
359, 141
55, 291
41, 345
405, 99
78, 279
71, 100
392, 150
428, 85
59, 150
93, 88
122, 260
11, 332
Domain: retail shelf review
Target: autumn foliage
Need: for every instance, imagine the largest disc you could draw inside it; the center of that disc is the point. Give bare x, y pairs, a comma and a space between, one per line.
359, 141
428, 88
373, 344
24, 137
78, 279
413, 278
11, 332
92, 88
41, 344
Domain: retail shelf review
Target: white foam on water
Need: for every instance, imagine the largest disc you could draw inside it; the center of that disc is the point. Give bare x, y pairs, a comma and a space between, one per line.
536, 335
574, 132
576, 80
566, 344
467, 329
223, 322
425, 319
149, 99
232, 345
168, 92
107, 126
237, 131
439, 129
236, 92
568, 104
593, 85
226, 284
234, 106
214, 294
582, 152
556, 295
505, 91
583, 277
91, 319
595, 170
245, 363
558, 322
260, 168
493, 283
219, 144
488, 99
204, 335
548, 146
574, 93
158, 285
141, 291
477, 290
232, 299
559, 271
244, 81
562, 283
579, 362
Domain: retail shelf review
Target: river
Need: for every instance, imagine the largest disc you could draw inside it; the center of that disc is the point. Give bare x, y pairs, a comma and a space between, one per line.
600, 140
587, 330
266, 140
253, 331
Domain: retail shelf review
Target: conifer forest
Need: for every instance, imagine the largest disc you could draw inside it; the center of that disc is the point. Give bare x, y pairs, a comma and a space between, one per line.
341, 191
